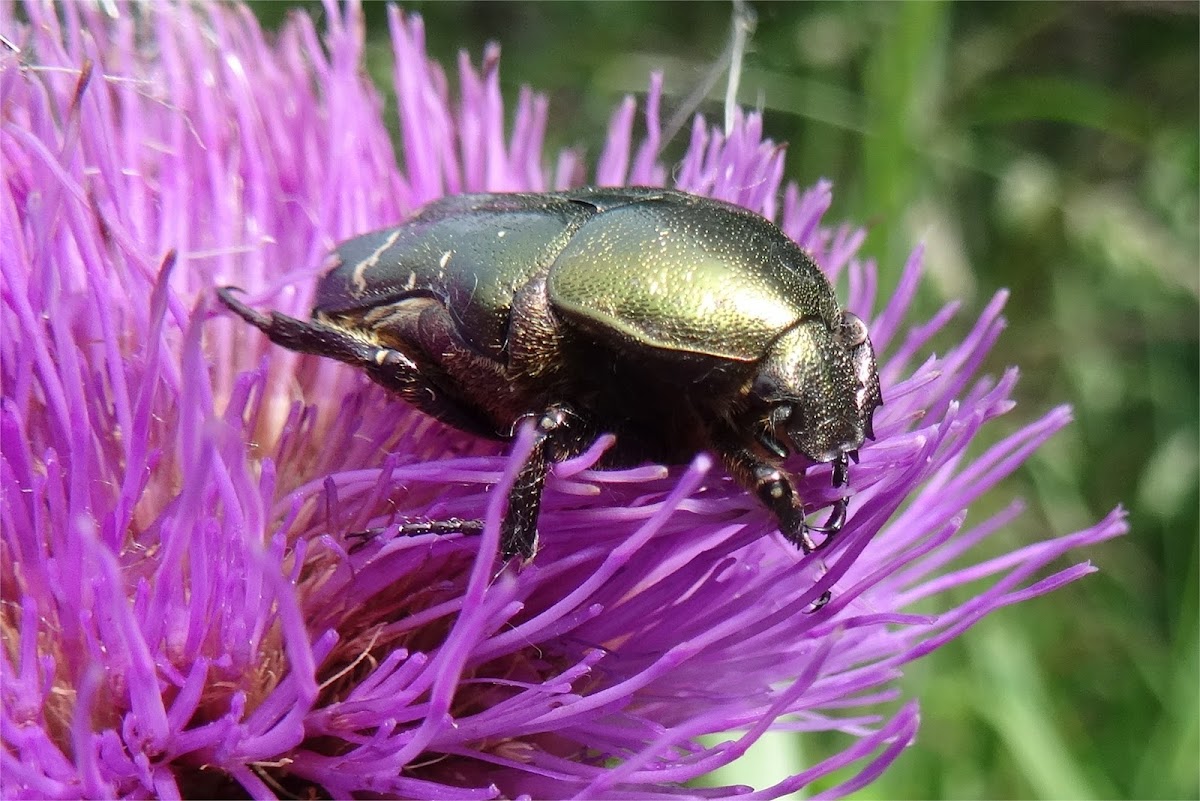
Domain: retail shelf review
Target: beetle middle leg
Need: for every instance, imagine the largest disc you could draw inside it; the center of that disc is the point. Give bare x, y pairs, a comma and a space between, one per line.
554, 440
416, 528
557, 437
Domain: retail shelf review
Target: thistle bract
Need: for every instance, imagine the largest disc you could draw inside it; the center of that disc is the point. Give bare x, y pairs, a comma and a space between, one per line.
181, 615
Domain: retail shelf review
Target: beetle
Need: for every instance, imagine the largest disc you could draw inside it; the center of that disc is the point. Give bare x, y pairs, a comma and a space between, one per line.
678, 323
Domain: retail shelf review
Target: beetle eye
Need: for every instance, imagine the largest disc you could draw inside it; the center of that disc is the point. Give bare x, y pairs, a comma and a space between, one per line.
852, 332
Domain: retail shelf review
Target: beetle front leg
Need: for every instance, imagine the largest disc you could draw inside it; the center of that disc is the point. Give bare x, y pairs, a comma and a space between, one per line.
837, 518
416, 528
775, 490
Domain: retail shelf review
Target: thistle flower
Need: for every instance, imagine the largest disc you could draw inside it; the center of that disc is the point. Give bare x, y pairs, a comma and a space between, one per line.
181, 616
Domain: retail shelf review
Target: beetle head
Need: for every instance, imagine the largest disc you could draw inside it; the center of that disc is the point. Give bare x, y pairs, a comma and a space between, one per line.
822, 387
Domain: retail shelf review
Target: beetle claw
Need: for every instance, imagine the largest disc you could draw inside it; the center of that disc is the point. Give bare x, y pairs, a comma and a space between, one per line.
256, 318
837, 519
819, 604
362, 539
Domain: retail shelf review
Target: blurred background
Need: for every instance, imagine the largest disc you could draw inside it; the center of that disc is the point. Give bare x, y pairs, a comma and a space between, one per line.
1050, 148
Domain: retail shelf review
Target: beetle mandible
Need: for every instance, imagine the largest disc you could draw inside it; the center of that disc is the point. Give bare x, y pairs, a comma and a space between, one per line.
677, 323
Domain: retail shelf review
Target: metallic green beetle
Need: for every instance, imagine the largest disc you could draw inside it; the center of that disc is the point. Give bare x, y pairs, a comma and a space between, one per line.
677, 323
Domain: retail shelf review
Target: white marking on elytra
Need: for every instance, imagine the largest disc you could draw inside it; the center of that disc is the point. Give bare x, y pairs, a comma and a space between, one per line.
445, 259
360, 269
501, 233
412, 281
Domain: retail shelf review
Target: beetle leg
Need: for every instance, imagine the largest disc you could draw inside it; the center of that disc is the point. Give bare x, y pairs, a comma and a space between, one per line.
451, 525
773, 487
775, 490
409, 372
518, 532
315, 337
838, 476
837, 517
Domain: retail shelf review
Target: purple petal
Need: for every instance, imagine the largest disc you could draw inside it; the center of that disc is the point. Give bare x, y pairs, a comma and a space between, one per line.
175, 491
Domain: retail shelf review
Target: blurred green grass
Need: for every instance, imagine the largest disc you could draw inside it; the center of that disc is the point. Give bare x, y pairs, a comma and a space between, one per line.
1050, 148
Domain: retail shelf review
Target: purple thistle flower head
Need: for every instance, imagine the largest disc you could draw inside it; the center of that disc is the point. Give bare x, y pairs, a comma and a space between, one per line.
181, 616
